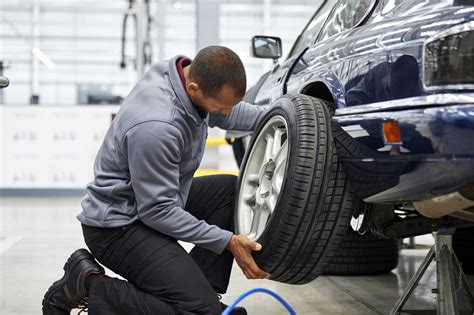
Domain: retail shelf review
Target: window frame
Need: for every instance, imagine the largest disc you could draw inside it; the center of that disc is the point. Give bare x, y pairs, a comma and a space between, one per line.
370, 9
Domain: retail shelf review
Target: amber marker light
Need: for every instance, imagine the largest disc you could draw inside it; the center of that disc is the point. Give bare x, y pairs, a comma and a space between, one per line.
391, 132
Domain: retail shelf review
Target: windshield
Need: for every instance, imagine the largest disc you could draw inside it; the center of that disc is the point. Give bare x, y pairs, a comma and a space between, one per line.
311, 31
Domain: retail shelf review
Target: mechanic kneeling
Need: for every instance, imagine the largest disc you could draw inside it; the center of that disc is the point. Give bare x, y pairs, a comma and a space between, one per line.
144, 198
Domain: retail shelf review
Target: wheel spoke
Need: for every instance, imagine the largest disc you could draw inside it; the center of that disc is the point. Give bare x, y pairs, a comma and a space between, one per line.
250, 199
268, 148
276, 147
278, 176
271, 201
280, 169
276, 185
260, 217
282, 154
252, 179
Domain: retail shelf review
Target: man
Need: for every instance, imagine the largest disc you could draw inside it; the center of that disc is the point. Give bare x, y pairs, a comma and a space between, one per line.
144, 198
387, 81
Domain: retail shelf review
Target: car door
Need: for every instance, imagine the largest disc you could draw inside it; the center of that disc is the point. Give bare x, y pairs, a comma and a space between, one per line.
274, 85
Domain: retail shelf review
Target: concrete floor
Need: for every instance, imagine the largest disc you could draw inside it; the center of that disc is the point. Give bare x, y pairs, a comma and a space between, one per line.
38, 234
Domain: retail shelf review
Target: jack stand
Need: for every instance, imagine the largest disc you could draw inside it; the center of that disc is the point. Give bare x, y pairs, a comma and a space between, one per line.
449, 273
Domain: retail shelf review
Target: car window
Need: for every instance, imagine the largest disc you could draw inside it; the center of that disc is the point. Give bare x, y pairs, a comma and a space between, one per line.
311, 31
403, 7
346, 15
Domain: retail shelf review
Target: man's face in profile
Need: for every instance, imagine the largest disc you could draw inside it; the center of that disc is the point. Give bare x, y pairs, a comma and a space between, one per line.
221, 103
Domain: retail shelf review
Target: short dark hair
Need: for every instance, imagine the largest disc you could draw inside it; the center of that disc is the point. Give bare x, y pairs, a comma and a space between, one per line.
404, 77
215, 66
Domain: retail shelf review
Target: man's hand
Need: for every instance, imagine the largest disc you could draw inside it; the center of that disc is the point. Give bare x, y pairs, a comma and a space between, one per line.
241, 247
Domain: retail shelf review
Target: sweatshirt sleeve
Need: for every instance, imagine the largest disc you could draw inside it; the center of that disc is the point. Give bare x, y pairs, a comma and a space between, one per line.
244, 117
154, 153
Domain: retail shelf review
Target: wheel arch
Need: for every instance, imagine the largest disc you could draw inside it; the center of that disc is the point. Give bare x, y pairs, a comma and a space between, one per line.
319, 89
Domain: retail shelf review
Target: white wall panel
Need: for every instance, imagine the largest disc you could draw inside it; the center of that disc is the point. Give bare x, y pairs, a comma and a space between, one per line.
50, 147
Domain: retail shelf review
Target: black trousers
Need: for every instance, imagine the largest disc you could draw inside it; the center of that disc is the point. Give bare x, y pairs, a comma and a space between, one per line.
162, 278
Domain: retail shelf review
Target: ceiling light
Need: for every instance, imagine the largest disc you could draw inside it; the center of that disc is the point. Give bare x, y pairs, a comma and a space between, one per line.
42, 57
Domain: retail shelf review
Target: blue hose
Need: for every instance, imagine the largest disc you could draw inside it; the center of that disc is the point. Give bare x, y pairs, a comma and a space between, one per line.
244, 295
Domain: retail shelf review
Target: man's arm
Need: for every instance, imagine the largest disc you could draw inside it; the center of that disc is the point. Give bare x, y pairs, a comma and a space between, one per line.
154, 152
244, 116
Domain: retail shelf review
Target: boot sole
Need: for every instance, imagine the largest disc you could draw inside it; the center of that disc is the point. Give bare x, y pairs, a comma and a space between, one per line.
78, 255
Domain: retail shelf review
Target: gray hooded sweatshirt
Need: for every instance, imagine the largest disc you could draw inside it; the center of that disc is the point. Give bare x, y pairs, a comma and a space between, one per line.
144, 168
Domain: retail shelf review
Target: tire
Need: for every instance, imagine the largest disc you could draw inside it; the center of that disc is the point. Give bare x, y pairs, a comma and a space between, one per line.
463, 240
313, 202
364, 255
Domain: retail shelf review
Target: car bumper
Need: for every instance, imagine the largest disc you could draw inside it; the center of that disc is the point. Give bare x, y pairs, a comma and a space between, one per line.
435, 156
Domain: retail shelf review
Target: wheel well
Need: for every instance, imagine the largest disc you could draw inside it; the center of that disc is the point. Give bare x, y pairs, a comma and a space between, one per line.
318, 90
321, 91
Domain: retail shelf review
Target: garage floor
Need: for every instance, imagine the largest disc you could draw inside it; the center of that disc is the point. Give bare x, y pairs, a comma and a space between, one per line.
38, 234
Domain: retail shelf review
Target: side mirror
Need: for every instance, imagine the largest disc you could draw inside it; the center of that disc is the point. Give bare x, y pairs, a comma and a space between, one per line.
266, 47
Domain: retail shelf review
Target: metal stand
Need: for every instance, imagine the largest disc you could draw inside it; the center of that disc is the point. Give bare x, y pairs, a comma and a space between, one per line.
411, 243
450, 277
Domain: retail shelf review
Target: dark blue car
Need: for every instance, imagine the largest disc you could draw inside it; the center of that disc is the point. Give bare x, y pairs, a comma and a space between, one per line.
371, 125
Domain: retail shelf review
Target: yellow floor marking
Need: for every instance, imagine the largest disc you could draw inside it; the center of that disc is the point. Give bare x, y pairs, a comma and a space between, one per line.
215, 141
207, 172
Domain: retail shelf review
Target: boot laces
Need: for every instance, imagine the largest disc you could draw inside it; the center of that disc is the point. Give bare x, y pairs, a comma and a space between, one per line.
83, 305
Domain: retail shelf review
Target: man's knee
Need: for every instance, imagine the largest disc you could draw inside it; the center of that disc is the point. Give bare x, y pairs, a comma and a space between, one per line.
213, 307
230, 180
227, 183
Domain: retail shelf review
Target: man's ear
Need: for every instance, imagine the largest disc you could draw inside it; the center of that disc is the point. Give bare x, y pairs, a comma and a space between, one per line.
193, 87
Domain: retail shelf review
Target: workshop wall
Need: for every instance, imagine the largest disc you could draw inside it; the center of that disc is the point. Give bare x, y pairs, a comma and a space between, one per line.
83, 41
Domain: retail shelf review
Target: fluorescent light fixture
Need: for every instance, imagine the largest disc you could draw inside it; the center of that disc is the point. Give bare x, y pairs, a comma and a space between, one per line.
42, 57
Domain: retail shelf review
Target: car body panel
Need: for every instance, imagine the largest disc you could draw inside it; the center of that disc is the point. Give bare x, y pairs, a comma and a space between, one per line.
374, 74
343, 60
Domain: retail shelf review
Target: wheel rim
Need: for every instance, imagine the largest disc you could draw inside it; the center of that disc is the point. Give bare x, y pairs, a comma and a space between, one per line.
262, 178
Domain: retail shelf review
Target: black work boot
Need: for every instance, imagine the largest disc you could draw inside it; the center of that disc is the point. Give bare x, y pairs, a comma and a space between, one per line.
70, 291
